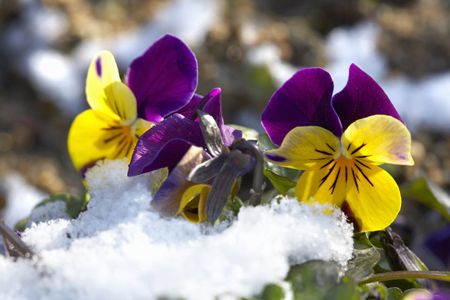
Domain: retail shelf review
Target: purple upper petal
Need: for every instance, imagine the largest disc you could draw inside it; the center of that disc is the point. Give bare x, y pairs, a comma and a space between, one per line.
189, 109
165, 144
360, 98
213, 107
303, 100
163, 79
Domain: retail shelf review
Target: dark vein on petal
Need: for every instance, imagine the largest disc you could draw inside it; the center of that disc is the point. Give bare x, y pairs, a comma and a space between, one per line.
368, 180
327, 175
112, 128
357, 149
333, 186
362, 164
355, 179
106, 141
331, 160
120, 146
363, 156
332, 149
323, 152
348, 147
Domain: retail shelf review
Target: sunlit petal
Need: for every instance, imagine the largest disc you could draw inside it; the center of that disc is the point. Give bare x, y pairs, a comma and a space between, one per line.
378, 139
193, 203
84, 135
360, 98
373, 198
164, 78
326, 185
102, 73
141, 126
164, 144
303, 100
305, 148
121, 101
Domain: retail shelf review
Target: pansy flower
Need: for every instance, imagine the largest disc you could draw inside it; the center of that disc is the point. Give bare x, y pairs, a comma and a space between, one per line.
339, 142
158, 83
167, 142
183, 142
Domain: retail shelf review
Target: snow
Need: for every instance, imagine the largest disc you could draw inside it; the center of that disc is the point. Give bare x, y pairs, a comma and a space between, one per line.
29, 43
21, 197
48, 211
270, 55
119, 248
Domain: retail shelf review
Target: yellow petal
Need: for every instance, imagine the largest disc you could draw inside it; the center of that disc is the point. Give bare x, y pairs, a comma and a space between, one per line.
373, 198
141, 126
304, 148
120, 99
95, 136
106, 93
378, 139
326, 185
193, 203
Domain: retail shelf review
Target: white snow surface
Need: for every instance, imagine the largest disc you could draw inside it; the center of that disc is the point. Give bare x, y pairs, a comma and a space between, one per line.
121, 249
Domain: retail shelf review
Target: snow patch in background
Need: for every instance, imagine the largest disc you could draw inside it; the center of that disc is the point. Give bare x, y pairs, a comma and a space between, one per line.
21, 197
60, 76
120, 249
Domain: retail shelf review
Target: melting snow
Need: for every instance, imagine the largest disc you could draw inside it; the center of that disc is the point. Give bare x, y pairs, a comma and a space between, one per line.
120, 249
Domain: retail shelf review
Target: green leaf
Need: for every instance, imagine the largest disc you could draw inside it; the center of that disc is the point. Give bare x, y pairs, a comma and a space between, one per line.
264, 142
313, 279
346, 290
21, 225
361, 265
280, 183
272, 292
394, 293
430, 195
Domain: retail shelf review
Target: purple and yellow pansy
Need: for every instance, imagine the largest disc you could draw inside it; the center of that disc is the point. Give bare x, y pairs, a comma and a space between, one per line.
339, 142
158, 83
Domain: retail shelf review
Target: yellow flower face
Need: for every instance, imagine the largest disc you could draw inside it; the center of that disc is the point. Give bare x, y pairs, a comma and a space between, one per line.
344, 172
110, 129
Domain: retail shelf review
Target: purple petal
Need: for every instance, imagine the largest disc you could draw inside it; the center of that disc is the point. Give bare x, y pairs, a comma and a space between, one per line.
213, 107
164, 144
189, 109
360, 98
303, 100
163, 79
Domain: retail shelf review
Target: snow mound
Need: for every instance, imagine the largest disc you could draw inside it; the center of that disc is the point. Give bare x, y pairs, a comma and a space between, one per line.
121, 249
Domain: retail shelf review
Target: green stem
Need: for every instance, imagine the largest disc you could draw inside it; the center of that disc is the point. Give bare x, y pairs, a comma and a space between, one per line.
396, 275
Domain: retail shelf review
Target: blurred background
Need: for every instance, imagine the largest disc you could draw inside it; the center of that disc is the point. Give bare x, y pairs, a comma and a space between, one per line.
248, 48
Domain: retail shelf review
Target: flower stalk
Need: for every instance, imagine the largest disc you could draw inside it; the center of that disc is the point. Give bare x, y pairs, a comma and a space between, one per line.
398, 275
